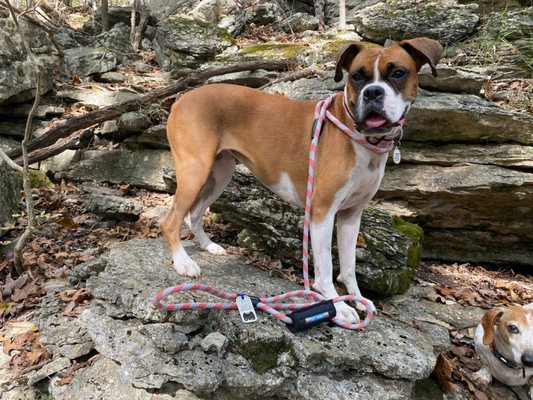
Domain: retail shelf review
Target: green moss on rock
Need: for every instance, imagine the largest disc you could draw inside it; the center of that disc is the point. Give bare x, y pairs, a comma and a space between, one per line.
38, 179
416, 235
263, 355
273, 51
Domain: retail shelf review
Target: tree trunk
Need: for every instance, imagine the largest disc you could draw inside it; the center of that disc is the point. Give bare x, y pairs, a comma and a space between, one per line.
104, 9
143, 20
342, 14
319, 14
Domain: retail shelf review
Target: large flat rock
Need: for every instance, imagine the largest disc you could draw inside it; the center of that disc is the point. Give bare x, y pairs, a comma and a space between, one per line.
478, 213
150, 351
446, 117
143, 168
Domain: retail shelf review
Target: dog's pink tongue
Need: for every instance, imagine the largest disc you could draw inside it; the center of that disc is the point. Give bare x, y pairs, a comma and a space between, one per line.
375, 121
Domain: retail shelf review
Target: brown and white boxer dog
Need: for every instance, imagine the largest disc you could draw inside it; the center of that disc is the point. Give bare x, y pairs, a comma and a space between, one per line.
211, 127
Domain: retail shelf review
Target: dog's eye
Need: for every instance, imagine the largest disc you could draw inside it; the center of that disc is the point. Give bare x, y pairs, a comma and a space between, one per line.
512, 328
398, 74
357, 77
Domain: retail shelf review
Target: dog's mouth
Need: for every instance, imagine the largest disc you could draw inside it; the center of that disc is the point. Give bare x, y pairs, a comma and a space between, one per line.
376, 123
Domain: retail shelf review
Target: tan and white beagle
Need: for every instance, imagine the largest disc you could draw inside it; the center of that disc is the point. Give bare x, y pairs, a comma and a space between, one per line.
212, 127
504, 343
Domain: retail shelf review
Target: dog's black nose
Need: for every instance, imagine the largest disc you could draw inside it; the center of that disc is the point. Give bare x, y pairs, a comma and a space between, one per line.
374, 93
527, 358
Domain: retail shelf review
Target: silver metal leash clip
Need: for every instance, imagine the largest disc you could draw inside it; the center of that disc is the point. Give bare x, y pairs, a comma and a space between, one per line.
246, 308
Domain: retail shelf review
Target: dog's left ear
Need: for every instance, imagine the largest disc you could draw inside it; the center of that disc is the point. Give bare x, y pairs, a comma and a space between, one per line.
423, 50
345, 59
489, 320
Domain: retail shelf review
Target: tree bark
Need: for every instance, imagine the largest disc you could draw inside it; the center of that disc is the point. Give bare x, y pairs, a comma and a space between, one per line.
319, 14
72, 125
143, 20
104, 10
342, 14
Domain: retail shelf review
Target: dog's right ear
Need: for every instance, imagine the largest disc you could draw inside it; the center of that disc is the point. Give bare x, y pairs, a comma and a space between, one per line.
345, 59
489, 320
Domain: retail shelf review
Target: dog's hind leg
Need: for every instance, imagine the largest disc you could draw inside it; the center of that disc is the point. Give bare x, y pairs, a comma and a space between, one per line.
219, 178
191, 175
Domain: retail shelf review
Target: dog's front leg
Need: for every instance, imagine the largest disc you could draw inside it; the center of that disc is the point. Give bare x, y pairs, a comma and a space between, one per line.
348, 224
321, 236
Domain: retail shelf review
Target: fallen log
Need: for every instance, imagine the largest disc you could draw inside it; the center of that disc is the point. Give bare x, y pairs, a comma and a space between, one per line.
92, 118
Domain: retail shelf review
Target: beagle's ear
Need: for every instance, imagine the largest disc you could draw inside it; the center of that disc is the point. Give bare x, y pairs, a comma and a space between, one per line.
491, 318
423, 50
345, 58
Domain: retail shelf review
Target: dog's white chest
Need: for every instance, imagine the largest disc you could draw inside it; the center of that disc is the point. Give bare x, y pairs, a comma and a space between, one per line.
286, 190
364, 180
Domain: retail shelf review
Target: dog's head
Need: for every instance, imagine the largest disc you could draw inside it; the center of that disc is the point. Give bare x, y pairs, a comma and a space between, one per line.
382, 82
511, 328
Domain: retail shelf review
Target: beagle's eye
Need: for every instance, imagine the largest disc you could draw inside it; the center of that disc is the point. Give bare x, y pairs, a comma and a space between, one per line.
398, 74
512, 328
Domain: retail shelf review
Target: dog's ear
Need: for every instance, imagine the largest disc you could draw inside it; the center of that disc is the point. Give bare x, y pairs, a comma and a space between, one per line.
491, 318
345, 59
423, 50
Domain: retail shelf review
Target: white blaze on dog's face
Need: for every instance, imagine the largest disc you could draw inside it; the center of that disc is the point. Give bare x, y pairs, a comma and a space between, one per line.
382, 83
511, 329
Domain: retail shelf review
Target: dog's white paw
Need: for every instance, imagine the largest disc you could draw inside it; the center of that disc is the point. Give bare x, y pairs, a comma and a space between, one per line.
187, 268
185, 265
346, 313
482, 378
216, 249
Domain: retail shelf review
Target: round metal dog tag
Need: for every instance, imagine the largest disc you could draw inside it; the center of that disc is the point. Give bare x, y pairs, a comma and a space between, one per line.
396, 156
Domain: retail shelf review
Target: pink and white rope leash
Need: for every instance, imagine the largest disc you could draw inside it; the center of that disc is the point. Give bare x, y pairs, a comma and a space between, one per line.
271, 305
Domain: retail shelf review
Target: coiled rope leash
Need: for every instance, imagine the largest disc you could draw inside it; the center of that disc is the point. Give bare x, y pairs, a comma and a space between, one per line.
319, 309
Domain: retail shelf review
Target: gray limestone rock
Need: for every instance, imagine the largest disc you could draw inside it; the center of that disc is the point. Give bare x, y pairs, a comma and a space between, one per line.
513, 156
152, 349
7, 144
111, 77
132, 122
183, 41
102, 380
9, 195
252, 79
445, 117
154, 137
48, 370
150, 169
62, 335
117, 41
18, 72
443, 20
43, 111
458, 203
215, 343
100, 97
84, 61
114, 207
453, 79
